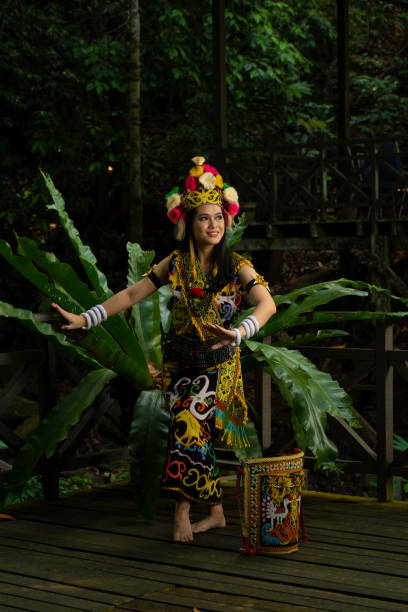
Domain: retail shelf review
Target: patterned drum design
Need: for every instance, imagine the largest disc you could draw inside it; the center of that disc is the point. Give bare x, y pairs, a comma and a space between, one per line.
271, 503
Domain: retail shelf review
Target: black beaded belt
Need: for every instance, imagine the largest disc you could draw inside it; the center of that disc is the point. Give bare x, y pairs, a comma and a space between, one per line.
197, 355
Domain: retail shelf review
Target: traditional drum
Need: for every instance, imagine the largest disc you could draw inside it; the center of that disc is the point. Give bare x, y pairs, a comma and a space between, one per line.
270, 503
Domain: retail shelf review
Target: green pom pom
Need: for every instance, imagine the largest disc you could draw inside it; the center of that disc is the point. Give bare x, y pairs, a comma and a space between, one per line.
174, 190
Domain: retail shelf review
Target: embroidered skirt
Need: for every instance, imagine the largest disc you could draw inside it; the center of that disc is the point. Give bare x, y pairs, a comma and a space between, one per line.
191, 468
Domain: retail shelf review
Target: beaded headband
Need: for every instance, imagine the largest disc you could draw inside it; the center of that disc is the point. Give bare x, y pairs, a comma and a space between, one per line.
203, 185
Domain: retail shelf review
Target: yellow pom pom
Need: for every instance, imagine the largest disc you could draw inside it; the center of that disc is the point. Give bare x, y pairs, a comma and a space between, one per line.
197, 171
218, 181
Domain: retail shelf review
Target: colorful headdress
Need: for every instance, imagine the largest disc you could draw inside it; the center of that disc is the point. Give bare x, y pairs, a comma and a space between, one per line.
203, 185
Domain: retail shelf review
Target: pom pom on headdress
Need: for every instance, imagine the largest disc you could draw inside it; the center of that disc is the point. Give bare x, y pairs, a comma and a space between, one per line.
196, 171
198, 160
191, 183
207, 180
173, 200
232, 208
230, 194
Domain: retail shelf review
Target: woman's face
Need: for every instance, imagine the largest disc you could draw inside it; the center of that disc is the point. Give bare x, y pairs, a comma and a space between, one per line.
208, 225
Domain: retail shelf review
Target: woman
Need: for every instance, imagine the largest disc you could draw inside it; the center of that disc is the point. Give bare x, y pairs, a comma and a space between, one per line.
201, 373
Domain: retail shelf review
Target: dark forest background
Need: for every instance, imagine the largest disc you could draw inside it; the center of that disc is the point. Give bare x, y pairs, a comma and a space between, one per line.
64, 108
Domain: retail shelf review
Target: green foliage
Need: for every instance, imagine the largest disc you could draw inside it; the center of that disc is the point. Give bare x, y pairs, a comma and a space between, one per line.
52, 430
235, 233
400, 444
145, 316
33, 488
147, 448
65, 82
310, 393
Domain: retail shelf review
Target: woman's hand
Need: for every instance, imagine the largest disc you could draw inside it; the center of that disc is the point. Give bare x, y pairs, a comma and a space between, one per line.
74, 321
225, 336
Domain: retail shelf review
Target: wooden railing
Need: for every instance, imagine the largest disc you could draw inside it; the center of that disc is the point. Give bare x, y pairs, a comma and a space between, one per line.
37, 367
362, 180
373, 448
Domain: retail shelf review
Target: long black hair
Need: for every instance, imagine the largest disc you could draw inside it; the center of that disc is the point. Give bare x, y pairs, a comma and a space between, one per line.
222, 256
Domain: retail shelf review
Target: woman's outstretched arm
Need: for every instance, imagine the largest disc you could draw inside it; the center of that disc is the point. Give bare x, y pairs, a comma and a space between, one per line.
122, 300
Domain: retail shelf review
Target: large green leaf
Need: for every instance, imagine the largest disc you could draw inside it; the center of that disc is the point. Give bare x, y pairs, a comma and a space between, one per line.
147, 449
310, 338
310, 393
61, 273
234, 234
87, 258
25, 266
52, 430
146, 314
115, 331
299, 306
87, 347
28, 319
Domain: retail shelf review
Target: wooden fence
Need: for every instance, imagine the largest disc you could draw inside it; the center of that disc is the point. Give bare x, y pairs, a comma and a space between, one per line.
37, 368
323, 195
373, 448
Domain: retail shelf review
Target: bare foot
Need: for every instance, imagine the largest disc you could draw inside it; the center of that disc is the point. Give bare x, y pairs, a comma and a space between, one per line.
182, 531
215, 519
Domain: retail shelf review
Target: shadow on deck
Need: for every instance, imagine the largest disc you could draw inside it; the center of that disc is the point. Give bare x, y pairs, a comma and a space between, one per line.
90, 551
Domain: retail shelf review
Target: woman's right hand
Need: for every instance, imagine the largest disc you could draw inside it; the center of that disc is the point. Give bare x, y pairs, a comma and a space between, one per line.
74, 321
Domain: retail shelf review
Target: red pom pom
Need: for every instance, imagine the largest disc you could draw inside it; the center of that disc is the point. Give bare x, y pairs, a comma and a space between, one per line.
174, 214
233, 208
191, 183
208, 168
197, 292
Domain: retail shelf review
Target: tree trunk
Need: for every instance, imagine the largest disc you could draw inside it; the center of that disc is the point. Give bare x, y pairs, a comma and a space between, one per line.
135, 165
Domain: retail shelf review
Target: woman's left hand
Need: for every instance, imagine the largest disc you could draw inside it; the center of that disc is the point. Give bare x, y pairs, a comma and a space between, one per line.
225, 336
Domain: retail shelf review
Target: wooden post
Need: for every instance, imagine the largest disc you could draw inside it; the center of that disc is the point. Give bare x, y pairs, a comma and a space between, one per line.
220, 80
135, 202
323, 178
385, 417
48, 396
343, 69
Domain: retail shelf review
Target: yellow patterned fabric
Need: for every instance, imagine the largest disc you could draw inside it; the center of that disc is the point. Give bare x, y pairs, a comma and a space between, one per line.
193, 199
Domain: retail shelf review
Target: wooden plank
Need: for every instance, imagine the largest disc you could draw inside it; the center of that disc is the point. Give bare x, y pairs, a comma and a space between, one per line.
145, 603
228, 585
314, 552
331, 553
337, 520
22, 603
62, 602
64, 589
77, 573
219, 602
291, 570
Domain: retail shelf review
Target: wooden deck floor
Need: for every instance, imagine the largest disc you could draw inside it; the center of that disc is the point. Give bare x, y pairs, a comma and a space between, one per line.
90, 551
